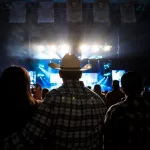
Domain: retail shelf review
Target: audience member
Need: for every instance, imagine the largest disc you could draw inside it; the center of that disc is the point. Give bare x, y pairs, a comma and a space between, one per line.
19, 105
97, 89
127, 124
114, 96
146, 94
105, 92
44, 92
89, 87
37, 94
71, 115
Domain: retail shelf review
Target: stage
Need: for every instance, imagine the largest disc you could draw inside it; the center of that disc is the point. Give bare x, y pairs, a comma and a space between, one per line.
101, 73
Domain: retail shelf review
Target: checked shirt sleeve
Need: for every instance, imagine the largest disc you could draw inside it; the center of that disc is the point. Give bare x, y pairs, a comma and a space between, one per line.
112, 132
108, 131
34, 130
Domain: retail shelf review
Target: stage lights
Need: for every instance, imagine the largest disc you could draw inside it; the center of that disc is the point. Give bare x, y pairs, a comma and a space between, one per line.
41, 66
100, 57
53, 47
107, 48
86, 51
107, 74
40, 48
95, 48
40, 75
65, 47
107, 65
83, 47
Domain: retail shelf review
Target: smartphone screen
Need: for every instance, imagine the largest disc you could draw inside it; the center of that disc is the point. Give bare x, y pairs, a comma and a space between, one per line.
33, 88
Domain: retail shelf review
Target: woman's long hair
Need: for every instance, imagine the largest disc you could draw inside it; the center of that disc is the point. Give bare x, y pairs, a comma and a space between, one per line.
17, 99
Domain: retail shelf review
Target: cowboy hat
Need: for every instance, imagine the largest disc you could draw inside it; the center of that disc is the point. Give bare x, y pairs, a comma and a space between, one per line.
70, 63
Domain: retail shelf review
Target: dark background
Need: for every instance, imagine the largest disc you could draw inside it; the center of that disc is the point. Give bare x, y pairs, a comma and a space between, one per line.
134, 38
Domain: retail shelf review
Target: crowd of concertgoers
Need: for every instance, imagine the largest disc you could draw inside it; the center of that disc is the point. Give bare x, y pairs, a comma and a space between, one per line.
74, 116
115, 95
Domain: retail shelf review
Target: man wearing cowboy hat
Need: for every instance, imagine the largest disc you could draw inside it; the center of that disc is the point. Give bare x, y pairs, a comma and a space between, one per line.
72, 116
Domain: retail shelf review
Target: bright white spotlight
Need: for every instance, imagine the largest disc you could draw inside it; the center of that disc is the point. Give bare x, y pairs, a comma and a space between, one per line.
107, 48
40, 48
65, 48
53, 47
95, 48
83, 47
83, 57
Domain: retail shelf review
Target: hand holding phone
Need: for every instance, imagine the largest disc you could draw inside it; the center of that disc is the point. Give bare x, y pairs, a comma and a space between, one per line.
37, 91
33, 88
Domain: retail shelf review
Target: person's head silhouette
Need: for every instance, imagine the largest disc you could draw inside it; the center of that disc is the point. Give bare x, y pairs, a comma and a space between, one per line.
131, 83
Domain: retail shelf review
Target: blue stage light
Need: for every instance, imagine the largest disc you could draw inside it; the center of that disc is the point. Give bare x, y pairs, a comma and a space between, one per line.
107, 74
41, 66
95, 48
40, 75
45, 72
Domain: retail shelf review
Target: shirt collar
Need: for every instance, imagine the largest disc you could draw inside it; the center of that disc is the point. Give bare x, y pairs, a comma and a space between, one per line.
134, 98
73, 83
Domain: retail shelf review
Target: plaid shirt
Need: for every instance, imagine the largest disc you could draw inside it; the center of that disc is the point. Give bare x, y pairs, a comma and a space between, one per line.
73, 117
127, 125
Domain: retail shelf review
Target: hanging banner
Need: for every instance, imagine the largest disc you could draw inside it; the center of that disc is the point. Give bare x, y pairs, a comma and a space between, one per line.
74, 11
101, 12
18, 12
46, 12
127, 13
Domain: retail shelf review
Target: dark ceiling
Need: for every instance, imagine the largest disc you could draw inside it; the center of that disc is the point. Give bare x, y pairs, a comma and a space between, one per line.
134, 38
86, 1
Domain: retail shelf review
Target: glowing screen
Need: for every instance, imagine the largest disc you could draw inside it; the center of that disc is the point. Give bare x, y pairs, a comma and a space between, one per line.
54, 78
117, 74
87, 78
32, 75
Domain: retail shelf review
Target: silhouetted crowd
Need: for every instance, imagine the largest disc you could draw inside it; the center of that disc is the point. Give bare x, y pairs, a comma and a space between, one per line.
74, 116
